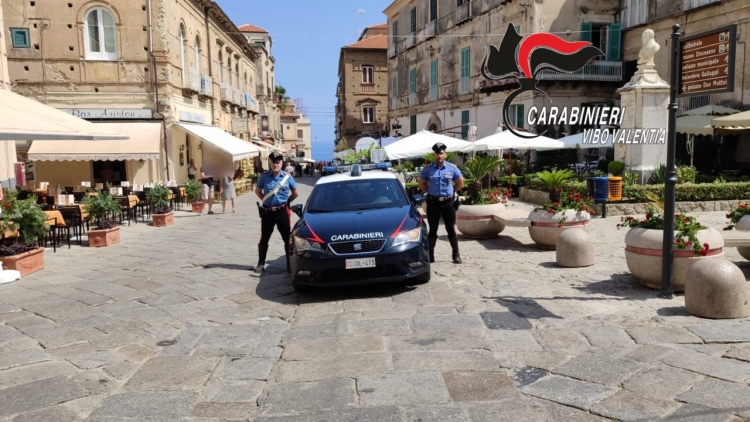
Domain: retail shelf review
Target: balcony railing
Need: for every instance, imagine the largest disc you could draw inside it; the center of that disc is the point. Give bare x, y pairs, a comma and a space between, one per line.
635, 14
463, 12
207, 86
394, 103
412, 98
431, 29
686, 104
301, 141
226, 92
393, 49
465, 87
595, 71
411, 40
260, 90
694, 4
433, 92
238, 97
367, 88
191, 80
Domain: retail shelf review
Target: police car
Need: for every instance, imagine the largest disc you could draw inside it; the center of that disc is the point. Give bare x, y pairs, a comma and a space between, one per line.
359, 227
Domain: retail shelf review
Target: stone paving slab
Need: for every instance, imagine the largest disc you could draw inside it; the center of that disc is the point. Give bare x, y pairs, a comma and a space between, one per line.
568, 391
297, 398
402, 388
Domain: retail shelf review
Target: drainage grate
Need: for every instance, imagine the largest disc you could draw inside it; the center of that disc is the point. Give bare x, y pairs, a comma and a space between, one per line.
165, 343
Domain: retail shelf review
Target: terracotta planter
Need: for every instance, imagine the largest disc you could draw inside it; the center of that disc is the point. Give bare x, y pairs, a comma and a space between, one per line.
476, 222
743, 225
197, 206
643, 252
545, 226
163, 220
99, 238
25, 263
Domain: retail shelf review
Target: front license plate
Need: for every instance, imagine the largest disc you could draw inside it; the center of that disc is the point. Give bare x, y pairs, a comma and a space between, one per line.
352, 264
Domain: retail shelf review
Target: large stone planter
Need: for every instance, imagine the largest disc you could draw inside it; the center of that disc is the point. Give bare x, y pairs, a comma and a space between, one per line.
743, 225
162, 220
99, 238
545, 226
643, 252
476, 222
25, 263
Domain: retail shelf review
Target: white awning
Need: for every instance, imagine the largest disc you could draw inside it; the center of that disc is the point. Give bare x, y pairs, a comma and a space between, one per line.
144, 144
25, 119
264, 144
235, 147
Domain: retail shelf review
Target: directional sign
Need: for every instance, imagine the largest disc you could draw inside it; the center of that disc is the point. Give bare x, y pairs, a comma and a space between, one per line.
706, 62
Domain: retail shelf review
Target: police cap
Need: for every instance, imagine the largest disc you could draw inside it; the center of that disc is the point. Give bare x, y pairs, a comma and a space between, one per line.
275, 157
439, 147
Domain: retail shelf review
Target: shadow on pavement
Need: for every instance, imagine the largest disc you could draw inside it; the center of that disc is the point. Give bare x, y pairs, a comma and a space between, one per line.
624, 286
524, 307
503, 242
230, 267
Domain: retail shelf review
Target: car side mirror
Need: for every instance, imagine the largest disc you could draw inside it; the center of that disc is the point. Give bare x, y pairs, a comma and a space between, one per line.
297, 209
418, 199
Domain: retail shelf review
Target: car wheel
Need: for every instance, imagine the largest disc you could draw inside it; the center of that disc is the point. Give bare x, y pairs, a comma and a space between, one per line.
420, 279
300, 288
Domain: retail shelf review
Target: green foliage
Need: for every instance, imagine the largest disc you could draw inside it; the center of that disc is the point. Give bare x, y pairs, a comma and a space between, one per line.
571, 200
720, 179
737, 213
694, 192
24, 215
555, 179
193, 189
479, 168
158, 198
616, 167
99, 206
356, 157
488, 196
570, 184
686, 174
686, 229
630, 178
657, 177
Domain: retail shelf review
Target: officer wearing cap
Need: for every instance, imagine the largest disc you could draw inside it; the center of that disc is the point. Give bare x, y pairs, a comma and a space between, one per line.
437, 181
277, 189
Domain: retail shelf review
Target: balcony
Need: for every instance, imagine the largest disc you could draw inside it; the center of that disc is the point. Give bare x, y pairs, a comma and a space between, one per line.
465, 86
412, 98
430, 30
694, 4
393, 49
238, 97
594, 71
301, 142
251, 104
191, 80
226, 92
635, 14
463, 13
411, 40
207, 86
394, 103
367, 88
260, 90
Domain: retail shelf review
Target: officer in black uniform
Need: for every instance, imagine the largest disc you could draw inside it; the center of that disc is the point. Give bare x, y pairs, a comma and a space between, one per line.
437, 181
279, 189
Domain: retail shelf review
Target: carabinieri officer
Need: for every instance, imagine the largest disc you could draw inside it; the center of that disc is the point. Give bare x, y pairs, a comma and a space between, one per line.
437, 181
279, 189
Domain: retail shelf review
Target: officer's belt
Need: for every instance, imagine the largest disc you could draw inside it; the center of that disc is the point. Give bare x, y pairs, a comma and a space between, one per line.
439, 198
273, 208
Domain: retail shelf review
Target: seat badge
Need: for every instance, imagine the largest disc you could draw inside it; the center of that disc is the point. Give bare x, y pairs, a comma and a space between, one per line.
357, 246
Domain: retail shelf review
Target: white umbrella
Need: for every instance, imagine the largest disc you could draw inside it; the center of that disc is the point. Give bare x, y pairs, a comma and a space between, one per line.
576, 140
421, 143
501, 140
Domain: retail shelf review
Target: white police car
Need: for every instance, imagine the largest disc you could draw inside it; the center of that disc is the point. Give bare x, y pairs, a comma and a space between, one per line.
359, 227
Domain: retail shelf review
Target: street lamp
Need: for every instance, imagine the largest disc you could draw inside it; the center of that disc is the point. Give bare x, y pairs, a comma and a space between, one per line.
431, 50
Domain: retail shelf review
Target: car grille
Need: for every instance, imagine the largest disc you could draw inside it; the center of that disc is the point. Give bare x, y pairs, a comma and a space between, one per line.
365, 246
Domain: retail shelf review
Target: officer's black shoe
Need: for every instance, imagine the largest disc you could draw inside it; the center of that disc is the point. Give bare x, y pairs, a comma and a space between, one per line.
286, 251
433, 242
454, 246
262, 251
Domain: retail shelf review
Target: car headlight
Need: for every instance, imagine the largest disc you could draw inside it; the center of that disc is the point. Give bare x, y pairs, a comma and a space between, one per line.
411, 236
302, 244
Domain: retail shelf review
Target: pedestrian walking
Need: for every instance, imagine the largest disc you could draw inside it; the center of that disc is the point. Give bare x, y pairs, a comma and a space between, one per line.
437, 181
276, 189
207, 186
227, 191
192, 169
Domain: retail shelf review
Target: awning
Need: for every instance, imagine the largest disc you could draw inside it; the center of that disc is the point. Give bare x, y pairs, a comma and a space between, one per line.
738, 122
25, 119
695, 125
144, 144
235, 147
264, 144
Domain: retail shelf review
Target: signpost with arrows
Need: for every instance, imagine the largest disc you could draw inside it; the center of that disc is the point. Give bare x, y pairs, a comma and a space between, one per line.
707, 62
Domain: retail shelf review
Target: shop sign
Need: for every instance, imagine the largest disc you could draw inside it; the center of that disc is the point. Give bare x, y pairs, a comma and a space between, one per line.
186, 116
109, 113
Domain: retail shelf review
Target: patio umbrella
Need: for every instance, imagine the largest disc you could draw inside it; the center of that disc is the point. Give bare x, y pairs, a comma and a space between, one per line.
421, 143
576, 141
709, 110
698, 122
502, 140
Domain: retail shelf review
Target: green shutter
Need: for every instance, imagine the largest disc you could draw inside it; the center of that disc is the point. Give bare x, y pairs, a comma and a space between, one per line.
519, 115
413, 20
466, 62
614, 39
412, 80
433, 72
412, 125
586, 28
465, 126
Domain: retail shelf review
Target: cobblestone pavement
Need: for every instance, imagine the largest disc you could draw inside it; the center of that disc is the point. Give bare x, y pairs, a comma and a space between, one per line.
170, 325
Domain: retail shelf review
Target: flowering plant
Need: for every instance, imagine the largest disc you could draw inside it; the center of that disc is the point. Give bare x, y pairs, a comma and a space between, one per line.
739, 212
687, 229
569, 201
488, 196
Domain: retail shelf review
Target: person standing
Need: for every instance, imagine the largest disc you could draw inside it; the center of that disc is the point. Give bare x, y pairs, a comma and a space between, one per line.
192, 169
227, 191
277, 189
207, 186
437, 181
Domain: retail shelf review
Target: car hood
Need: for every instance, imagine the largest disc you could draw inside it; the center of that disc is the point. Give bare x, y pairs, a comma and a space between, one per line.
356, 225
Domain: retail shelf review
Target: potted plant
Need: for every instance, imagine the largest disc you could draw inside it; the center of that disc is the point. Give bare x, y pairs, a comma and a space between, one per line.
555, 180
27, 219
616, 168
162, 214
739, 219
99, 206
571, 210
474, 218
644, 240
193, 192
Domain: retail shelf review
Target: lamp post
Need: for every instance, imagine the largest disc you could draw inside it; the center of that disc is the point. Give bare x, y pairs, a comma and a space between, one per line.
670, 181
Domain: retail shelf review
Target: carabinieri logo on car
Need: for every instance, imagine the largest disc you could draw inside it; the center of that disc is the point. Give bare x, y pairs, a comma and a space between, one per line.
357, 236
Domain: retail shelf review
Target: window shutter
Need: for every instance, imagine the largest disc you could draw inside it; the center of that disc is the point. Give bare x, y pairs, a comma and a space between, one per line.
413, 20
433, 10
519, 115
465, 62
614, 41
412, 125
413, 80
586, 28
433, 72
394, 86
464, 121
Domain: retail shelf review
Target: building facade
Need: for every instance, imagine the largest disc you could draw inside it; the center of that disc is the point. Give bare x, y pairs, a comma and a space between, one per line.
436, 48
294, 130
167, 62
362, 92
8, 148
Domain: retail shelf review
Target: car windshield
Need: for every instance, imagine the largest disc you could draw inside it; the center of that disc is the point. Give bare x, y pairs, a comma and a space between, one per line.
357, 195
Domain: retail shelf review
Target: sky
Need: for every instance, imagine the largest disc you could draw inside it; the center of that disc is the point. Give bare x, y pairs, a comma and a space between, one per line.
307, 39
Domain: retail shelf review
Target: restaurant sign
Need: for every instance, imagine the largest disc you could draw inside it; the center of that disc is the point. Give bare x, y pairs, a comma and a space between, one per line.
109, 113
239, 125
707, 62
186, 116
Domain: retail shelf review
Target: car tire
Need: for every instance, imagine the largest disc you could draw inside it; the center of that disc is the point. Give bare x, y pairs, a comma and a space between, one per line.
300, 288
420, 279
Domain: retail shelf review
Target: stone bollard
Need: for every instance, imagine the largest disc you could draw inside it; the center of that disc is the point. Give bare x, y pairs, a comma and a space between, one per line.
716, 288
574, 248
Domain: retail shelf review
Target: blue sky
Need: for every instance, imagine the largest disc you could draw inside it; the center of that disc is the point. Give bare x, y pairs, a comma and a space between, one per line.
307, 39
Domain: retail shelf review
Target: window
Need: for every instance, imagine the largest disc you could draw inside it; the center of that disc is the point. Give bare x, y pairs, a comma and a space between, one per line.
434, 79
412, 125
518, 29
20, 37
395, 32
413, 20
197, 52
464, 124
608, 37
221, 67
367, 77
516, 115
394, 87
412, 81
465, 70
300, 135
433, 10
237, 75
460, 2
368, 114
245, 84
229, 71
100, 35
181, 40
357, 194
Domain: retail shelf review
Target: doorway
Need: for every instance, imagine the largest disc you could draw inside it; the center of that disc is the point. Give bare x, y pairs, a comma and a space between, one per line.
110, 172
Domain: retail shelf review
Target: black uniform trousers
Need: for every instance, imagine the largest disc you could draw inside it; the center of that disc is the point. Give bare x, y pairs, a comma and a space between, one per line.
437, 209
280, 219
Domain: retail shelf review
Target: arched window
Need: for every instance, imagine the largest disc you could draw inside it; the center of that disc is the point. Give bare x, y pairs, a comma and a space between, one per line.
101, 38
245, 86
181, 36
197, 52
221, 67
237, 75
229, 70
